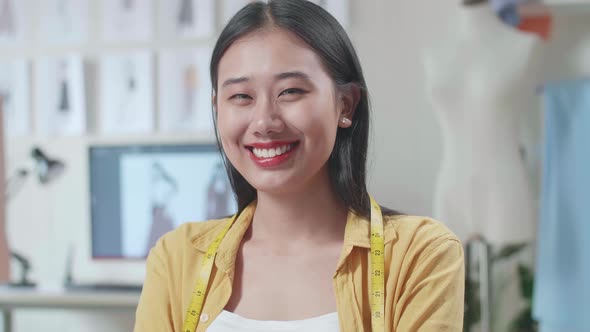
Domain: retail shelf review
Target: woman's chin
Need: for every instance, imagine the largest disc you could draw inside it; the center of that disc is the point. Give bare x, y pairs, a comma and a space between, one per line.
279, 185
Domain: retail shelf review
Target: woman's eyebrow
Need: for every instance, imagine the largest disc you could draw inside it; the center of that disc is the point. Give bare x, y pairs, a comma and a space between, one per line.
278, 77
236, 80
292, 74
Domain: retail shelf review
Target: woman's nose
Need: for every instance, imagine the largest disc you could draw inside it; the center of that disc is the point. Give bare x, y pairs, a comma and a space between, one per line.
267, 119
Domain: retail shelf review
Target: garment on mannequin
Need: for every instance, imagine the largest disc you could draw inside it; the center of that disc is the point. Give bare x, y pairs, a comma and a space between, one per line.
474, 79
521, 14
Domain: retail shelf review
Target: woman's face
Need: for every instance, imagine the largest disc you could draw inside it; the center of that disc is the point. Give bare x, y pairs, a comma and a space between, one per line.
277, 111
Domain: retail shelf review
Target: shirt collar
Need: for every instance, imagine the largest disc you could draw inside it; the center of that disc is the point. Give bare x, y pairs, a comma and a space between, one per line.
357, 233
202, 241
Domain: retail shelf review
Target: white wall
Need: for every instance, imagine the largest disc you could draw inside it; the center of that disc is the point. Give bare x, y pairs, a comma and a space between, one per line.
43, 222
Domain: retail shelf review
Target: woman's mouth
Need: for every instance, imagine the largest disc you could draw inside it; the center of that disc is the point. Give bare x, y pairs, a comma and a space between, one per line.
272, 154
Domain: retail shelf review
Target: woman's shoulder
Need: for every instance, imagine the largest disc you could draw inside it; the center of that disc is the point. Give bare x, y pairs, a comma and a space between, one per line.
420, 230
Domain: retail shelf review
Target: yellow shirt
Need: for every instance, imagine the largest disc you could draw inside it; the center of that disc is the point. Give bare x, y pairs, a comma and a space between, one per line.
424, 272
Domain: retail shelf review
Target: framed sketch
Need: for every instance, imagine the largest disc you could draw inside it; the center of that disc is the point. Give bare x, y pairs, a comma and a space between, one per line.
60, 96
15, 93
185, 91
187, 19
63, 21
126, 20
126, 93
14, 30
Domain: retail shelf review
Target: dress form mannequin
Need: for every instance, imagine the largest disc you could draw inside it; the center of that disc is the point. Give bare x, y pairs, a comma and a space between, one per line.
478, 78
475, 79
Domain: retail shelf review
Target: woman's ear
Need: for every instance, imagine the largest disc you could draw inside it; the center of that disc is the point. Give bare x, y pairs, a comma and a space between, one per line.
214, 102
349, 99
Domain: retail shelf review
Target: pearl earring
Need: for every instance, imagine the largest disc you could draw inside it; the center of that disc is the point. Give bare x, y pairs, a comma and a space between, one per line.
345, 122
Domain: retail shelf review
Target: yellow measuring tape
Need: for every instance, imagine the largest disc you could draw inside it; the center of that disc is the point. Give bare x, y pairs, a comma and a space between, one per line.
377, 269
377, 274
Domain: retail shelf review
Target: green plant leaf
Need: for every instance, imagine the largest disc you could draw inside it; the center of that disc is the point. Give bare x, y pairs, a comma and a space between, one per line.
526, 279
524, 322
472, 313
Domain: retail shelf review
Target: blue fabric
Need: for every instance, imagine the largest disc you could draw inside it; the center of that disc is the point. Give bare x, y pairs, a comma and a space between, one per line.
562, 280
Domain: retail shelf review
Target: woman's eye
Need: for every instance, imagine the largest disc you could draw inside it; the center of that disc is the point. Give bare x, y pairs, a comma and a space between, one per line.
291, 91
240, 96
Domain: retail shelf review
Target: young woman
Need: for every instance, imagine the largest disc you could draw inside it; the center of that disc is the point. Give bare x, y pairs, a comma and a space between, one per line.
292, 116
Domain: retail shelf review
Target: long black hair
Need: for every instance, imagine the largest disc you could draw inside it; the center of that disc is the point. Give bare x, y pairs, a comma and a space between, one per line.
322, 32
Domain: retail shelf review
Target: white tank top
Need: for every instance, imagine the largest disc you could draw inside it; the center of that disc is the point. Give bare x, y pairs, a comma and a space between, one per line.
230, 322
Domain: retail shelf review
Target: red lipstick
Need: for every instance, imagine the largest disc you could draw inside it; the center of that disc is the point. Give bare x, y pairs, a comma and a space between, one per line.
277, 160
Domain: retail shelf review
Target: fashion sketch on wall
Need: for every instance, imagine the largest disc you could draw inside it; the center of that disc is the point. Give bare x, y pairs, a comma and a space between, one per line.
161, 191
126, 93
61, 104
15, 93
126, 20
64, 21
7, 25
186, 14
188, 19
13, 17
185, 99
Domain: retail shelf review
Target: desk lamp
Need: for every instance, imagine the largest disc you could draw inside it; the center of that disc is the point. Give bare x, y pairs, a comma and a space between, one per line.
46, 170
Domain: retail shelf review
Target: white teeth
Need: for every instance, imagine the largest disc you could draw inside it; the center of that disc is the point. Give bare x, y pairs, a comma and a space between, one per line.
270, 153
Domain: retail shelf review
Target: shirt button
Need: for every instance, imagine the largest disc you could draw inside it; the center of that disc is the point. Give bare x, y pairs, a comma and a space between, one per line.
204, 318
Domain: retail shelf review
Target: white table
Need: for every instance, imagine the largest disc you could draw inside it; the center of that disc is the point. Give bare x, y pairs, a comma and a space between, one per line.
15, 298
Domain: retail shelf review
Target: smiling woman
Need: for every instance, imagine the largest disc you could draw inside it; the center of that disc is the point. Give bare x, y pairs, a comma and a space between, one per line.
281, 98
309, 250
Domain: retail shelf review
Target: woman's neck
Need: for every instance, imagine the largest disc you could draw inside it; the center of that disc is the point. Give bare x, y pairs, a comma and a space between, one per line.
313, 215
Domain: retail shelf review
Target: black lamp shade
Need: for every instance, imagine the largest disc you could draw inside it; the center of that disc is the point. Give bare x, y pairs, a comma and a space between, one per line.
47, 169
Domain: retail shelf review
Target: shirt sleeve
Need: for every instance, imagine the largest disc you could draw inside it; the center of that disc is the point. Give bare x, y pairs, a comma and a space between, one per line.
154, 310
433, 297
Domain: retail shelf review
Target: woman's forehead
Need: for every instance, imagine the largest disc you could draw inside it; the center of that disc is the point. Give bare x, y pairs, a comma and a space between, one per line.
268, 52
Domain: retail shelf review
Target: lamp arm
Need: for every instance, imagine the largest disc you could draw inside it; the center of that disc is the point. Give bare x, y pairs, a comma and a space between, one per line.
25, 267
15, 183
